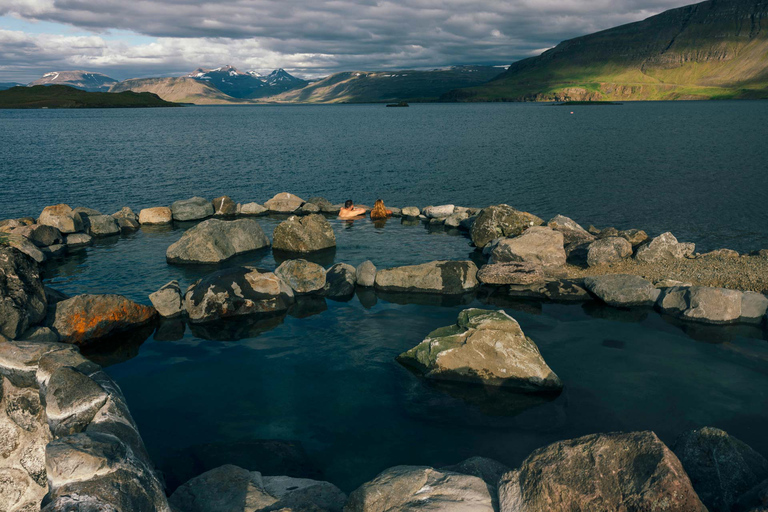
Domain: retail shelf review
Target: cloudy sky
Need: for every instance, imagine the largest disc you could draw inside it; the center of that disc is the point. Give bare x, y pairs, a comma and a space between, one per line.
139, 38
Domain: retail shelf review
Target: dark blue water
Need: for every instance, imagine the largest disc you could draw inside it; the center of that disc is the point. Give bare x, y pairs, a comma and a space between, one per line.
697, 169
324, 378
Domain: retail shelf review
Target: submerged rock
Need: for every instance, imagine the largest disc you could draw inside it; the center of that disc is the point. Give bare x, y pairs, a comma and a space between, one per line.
284, 203
237, 291
617, 471
86, 319
340, 281
224, 206
500, 221
442, 277
538, 245
510, 273
157, 215
61, 217
486, 347
663, 247
366, 273
608, 250
168, 300
302, 276
196, 208
22, 296
622, 290
214, 241
721, 467
304, 234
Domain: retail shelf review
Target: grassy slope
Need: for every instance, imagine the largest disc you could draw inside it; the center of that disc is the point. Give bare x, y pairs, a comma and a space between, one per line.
387, 86
180, 90
62, 96
715, 49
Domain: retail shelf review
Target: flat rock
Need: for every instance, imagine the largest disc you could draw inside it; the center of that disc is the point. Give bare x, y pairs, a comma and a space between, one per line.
442, 277
214, 241
486, 347
302, 276
402, 488
366, 273
156, 215
340, 281
22, 296
103, 225
721, 467
61, 217
24, 246
304, 234
237, 291
500, 221
196, 208
622, 290
410, 211
538, 245
78, 240
720, 254
168, 300
224, 206
510, 273
87, 319
617, 471
284, 203
253, 209
608, 250
438, 212
663, 248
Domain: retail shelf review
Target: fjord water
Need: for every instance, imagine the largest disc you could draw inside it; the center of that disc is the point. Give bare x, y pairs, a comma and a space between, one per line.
324, 377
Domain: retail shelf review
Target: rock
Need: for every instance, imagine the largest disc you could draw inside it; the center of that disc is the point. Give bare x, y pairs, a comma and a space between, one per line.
82, 456
617, 471
489, 470
366, 273
753, 306
721, 254
61, 217
439, 212
54, 251
606, 232
302, 276
622, 290
284, 203
538, 245
566, 290
88, 212
721, 467
224, 206
40, 334
24, 246
253, 209
713, 305
19, 360
168, 300
79, 240
634, 236
571, 230
127, 221
103, 225
466, 224
444, 277
510, 273
415, 488
214, 241
669, 283
454, 220
500, 221
485, 347
304, 234
72, 399
22, 297
340, 281
196, 208
325, 205
40, 235
54, 296
410, 211
396, 212
663, 247
608, 250
308, 208
237, 291
157, 215
87, 319
299, 494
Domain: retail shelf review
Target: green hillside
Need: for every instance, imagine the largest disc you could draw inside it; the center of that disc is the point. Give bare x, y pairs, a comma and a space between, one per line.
712, 50
62, 96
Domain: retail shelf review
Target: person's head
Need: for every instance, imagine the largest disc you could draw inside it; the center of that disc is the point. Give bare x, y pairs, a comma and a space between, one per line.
378, 204
348, 203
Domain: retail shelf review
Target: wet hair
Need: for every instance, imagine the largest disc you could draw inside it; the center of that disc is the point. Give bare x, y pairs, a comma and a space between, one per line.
379, 210
348, 203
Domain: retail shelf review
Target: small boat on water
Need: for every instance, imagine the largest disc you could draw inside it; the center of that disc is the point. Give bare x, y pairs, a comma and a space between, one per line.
401, 104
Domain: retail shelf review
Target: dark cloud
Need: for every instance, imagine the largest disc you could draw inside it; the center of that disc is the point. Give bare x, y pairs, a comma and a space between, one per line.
307, 36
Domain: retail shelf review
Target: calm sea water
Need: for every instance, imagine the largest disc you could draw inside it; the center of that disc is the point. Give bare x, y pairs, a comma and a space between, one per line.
318, 392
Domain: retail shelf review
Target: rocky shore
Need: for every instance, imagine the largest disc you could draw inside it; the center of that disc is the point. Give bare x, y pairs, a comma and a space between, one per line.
68, 442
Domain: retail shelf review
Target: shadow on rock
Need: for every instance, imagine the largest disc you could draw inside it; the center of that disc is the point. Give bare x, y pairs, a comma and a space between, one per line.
238, 328
119, 348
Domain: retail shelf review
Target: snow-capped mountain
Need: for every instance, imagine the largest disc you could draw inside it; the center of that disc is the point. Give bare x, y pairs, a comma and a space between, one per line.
249, 84
79, 79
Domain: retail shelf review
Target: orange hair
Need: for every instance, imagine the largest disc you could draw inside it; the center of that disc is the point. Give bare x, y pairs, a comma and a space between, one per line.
379, 210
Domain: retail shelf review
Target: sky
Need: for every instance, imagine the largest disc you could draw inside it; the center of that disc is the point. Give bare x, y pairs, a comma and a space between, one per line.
309, 38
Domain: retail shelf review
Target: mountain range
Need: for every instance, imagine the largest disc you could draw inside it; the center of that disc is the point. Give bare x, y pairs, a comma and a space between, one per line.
248, 84
85, 80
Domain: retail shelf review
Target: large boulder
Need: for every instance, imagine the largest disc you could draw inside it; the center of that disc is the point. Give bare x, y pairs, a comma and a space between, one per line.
622, 290
721, 467
340, 281
284, 203
40, 235
500, 221
403, 488
572, 231
103, 225
61, 217
702, 304
608, 250
214, 241
443, 277
620, 472
663, 247
168, 300
302, 276
156, 215
237, 291
486, 347
85, 319
224, 206
304, 234
753, 307
22, 297
196, 208
26, 247
231, 488
366, 273
510, 273
538, 245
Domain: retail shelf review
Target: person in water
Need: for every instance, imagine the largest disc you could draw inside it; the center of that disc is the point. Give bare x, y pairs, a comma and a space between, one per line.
349, 211
380, 211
